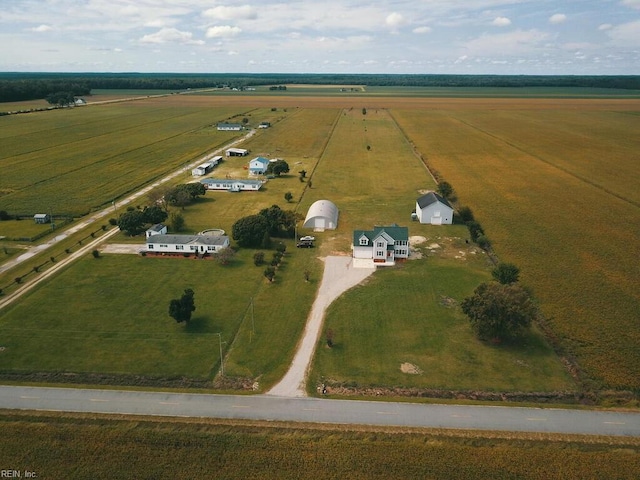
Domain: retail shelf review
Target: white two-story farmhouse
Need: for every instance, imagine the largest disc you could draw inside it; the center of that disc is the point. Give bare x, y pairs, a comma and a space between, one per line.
382, 245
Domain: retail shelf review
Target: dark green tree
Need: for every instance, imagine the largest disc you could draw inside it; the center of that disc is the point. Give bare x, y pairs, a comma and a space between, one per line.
288, 196
266, 240
475, 230
184, 194
176, 221
500, 312
505, 273
483, 242
465, 214
270, 273
278, 167
195, 189
282, 223
154, 214
249, 231
180, 309
258, 258
445, 189
132, 222
224, 256
62, 99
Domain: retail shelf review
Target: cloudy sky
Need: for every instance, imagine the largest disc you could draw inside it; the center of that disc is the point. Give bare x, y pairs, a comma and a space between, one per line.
322, 36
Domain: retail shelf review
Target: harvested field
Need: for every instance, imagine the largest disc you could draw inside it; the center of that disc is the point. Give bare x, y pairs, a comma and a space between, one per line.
556, 191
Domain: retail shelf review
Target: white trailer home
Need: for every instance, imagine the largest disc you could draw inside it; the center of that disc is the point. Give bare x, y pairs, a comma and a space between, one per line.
232, 185
202, 169
186, 244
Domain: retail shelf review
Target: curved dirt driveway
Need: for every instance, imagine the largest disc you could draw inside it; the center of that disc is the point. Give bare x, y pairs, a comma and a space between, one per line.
338, 277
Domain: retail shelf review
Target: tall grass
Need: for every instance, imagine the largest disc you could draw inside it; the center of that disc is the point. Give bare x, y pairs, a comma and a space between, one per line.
101, 449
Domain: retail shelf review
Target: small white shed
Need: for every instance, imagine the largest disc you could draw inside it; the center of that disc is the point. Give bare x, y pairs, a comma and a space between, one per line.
322, 215
434, 209
157, 229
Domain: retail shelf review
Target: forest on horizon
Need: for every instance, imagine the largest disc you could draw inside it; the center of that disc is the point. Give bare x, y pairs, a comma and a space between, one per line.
17, 86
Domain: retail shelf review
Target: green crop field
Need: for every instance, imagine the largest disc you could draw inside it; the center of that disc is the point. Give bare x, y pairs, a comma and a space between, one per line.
74, 160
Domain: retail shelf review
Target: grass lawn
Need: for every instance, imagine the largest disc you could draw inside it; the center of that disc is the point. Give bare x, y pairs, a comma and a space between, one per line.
410, 314
109, 315
25, 228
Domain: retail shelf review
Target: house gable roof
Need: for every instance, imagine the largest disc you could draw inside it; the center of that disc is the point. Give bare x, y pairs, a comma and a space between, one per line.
158, 227
210, 181
261, 160
430, 198
189, 239
391, 233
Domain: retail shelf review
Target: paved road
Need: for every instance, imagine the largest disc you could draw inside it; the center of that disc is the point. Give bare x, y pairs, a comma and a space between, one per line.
267, 407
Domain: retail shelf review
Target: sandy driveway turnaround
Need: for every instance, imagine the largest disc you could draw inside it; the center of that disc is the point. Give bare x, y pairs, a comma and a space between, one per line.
338, 277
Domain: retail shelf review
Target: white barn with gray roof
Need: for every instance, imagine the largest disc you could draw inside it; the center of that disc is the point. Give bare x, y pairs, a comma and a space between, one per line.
433, 209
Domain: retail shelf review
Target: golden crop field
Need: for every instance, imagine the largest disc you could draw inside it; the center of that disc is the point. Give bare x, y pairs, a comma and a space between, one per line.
107, 448
556, 191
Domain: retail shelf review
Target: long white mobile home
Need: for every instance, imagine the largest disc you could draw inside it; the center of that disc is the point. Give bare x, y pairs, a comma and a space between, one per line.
232, 185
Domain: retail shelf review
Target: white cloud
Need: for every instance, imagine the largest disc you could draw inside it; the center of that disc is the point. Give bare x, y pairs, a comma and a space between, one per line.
501, 22
395, 20
170, 35
512, 43
626, 35
42, 28
557, 18
231, 13
605, 26
222, 31
422, 30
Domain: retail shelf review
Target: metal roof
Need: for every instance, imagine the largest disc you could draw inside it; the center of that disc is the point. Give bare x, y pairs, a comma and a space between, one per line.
189, 239
432, 197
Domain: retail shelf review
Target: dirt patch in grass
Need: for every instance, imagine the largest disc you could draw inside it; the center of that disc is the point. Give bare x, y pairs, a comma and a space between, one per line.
410, 368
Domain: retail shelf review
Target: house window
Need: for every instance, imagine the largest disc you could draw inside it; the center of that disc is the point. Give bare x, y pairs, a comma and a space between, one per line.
363, 241
210, 248
164, 246
379, 254
150, 247
381, 244
192, 248
179, 247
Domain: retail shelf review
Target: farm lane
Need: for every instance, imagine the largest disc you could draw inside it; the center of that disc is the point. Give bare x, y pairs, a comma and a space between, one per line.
339, 276
322, 410
106, 211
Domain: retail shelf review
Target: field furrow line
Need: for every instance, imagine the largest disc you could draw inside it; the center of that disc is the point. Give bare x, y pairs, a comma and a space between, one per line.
548, 162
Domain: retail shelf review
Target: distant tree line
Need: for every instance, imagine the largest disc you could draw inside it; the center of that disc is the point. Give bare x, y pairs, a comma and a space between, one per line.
29, 86
32, 89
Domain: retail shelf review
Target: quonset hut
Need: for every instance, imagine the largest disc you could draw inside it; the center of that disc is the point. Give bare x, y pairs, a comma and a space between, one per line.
322, 215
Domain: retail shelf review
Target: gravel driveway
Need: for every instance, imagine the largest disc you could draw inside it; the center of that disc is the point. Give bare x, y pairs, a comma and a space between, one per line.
338, 277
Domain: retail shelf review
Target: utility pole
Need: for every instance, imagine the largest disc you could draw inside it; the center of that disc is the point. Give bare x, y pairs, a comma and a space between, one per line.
221, 358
